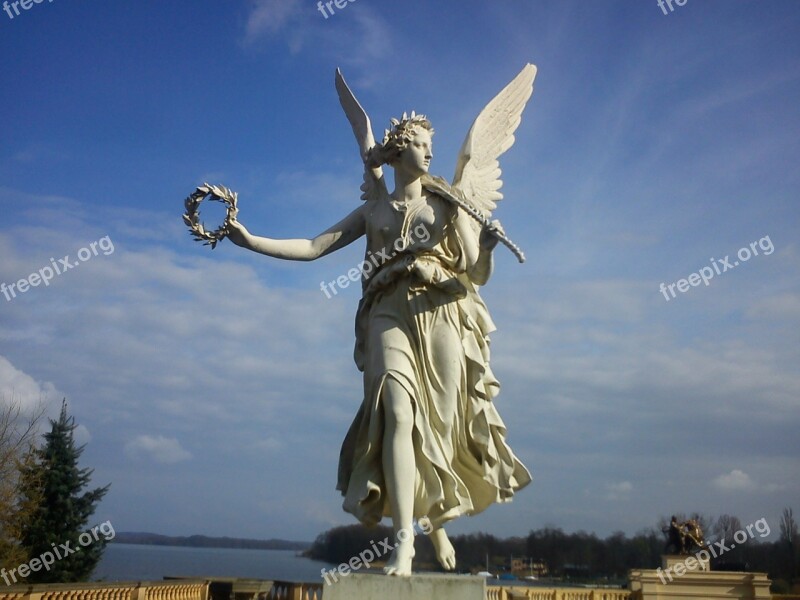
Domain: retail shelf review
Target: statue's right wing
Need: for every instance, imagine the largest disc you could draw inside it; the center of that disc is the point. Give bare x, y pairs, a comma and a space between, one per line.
478, 171
374, 185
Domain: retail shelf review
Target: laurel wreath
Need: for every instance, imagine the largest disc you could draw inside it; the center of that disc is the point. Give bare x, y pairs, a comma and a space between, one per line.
216, 193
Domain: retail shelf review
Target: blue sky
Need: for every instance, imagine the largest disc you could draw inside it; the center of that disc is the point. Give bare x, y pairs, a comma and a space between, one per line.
214, 388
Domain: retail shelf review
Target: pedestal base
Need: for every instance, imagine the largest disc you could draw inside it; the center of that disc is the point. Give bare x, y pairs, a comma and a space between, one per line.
661, 584
377, 586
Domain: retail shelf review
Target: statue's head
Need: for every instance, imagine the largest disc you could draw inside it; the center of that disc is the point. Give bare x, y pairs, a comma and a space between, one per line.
408, 144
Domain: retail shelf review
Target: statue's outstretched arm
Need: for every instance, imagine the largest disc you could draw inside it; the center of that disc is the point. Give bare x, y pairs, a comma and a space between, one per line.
338, 236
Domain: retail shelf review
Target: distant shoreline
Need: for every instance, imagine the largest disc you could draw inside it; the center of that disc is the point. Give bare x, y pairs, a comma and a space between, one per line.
203, 541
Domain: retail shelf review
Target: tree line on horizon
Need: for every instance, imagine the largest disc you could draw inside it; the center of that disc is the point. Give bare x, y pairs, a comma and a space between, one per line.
205, 541
583, 557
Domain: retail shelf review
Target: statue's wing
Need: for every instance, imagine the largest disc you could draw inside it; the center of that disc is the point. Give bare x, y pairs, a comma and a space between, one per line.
374, 185
477, 170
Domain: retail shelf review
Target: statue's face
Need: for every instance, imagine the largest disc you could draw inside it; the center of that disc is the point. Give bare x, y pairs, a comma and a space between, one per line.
416, 158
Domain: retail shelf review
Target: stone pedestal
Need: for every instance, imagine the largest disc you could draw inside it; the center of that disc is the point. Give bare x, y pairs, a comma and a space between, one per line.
690, 578
377, 586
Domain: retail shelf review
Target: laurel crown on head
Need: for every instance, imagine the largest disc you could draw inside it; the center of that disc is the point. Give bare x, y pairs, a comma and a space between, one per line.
397, 138
403, 129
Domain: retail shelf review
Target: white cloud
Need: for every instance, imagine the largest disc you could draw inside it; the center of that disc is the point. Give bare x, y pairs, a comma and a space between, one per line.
361, 38
268, 444
735, 481
158, 448
269, 17
617, 491
624, 487
783, 307
81, 435
17, 386
371, 40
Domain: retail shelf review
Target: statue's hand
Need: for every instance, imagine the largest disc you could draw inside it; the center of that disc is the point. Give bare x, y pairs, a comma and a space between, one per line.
373, 157
237, 233
488, 239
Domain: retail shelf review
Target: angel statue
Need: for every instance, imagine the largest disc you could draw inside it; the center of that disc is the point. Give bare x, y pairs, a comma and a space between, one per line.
427, 441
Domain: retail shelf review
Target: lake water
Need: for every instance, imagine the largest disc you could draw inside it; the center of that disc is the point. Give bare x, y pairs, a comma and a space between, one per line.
128, 562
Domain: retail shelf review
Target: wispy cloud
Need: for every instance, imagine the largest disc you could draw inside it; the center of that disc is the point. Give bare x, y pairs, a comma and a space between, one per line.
778, 308
267, 18
158, 448
369, 40
18, 386
357, 39
618, 491
735, 481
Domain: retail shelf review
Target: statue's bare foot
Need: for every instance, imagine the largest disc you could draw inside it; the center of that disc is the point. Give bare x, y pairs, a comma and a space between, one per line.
445, 552
400, 562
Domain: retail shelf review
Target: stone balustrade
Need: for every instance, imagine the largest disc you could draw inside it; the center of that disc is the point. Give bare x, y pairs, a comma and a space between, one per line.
497, 592
240, 589
283, 590
184, 589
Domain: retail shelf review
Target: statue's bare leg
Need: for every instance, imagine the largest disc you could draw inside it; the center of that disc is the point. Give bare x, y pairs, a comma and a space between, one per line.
447, 347
445, 553
400, 471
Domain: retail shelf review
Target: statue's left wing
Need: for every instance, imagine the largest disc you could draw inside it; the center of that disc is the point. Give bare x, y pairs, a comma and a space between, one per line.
478, 171
374, 185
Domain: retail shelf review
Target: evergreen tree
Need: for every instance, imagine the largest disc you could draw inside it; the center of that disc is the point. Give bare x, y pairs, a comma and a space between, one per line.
59, 508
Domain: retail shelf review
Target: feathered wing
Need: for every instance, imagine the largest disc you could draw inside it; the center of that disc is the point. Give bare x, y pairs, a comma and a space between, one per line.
374, 185
478, 171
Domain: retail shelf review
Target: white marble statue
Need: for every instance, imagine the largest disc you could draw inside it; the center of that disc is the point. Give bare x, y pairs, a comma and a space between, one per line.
427, 440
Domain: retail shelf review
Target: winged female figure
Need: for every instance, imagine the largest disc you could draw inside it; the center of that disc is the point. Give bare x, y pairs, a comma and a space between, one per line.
427, 441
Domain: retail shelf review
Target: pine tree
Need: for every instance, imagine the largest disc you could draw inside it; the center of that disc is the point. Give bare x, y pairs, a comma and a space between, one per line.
59, 508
